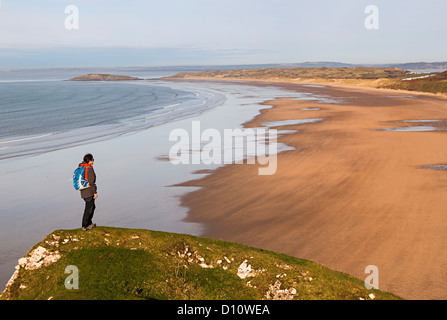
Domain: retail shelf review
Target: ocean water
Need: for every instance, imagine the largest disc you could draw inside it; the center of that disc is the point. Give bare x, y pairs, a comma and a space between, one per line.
40, 116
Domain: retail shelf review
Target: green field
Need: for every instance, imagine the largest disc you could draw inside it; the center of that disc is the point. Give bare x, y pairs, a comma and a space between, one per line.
116, 263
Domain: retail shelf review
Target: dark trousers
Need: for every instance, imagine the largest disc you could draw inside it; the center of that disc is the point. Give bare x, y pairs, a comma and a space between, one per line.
88, 211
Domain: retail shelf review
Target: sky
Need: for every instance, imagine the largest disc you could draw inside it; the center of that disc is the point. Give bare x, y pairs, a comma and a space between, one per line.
109, 33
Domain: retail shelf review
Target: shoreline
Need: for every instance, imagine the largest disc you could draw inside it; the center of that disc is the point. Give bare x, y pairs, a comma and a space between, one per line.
310, 82
170, 108
357, 197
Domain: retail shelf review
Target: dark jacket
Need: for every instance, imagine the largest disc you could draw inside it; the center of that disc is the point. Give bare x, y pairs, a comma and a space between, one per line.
91, 177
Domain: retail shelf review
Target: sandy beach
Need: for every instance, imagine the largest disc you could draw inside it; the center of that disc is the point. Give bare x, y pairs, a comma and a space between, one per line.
350, 194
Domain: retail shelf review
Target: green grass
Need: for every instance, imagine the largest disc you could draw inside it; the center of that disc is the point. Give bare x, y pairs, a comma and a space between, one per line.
433, 84
116, 263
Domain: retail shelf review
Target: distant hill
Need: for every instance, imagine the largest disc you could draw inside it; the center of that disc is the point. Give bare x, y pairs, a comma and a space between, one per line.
441, 66
435, 66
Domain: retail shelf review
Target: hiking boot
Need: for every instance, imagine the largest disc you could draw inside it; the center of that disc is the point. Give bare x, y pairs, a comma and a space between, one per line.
92, 226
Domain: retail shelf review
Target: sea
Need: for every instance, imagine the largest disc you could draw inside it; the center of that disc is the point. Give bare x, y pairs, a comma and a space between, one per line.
41, 112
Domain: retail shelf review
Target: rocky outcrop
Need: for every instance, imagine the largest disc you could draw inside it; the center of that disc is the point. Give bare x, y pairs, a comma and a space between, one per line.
103, 77
275, 293
245, 270
36, 259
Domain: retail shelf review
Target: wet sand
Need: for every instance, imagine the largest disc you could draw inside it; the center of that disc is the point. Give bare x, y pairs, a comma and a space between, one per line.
350, 195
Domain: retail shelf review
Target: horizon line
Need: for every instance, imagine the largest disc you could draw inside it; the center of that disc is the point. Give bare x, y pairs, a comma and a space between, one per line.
166, 67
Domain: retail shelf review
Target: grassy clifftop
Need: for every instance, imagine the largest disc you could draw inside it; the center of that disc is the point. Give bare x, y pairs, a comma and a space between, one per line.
116, 263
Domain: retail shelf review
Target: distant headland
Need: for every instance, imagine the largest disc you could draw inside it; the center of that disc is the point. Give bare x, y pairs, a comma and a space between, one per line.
103, 77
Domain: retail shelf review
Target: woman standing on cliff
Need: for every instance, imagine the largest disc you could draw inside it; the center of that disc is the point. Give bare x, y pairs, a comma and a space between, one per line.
89, 194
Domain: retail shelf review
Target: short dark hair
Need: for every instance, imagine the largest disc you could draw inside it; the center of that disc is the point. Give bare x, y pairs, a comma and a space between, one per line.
88, 157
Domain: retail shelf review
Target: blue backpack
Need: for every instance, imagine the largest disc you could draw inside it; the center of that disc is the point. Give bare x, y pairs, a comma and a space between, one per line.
80, 180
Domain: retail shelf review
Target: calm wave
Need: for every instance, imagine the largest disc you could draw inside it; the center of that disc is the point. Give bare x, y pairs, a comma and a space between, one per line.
40, 116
